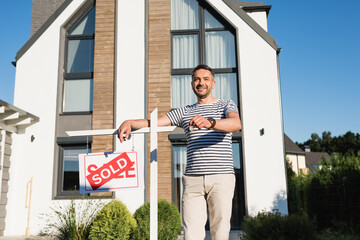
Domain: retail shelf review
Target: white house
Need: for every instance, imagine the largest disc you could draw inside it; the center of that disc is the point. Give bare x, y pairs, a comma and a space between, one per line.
92, 65
296, 157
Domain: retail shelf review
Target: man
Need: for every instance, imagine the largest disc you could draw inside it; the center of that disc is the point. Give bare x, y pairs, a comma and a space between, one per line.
209, 179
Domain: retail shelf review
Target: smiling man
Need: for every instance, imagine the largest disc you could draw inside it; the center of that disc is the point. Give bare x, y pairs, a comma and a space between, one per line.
209, 179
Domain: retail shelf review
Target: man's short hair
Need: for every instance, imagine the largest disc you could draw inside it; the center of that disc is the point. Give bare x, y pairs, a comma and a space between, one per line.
201, 66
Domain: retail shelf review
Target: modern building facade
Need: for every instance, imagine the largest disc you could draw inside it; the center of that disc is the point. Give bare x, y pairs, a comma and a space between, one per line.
92, 65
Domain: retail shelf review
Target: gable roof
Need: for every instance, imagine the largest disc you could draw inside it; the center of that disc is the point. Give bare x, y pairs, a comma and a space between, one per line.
291, 147
315, 158
239, 8
42, 29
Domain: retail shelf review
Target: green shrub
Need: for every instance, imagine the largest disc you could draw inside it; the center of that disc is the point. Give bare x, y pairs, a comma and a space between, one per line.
330, 195
299, 226
269, 226
70, 222
297, 190
169, 221
334, 194
114, 221
329, 234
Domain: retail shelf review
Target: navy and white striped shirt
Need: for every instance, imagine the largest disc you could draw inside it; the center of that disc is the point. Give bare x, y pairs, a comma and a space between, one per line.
208, 151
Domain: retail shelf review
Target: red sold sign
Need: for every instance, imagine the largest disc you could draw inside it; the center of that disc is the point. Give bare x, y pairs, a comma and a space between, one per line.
108, 171
104, 172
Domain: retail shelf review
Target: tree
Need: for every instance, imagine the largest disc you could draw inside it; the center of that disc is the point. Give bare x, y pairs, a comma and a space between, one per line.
349, 142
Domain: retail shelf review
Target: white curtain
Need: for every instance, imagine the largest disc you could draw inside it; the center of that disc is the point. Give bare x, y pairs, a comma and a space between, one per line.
220, 49
181, 91
185, 51
226, 86
179, 168
77, 95
184, 14
236, 155
179, 161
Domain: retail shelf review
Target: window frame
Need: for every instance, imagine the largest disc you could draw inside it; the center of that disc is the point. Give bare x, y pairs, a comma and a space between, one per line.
68, 143
78, 75
202, 46
201, 40
71, 143
180, 140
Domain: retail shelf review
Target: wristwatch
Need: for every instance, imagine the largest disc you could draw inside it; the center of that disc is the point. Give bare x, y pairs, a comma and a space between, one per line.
212, 122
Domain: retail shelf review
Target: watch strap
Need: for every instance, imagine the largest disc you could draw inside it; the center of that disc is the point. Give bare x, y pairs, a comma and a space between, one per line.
213, 123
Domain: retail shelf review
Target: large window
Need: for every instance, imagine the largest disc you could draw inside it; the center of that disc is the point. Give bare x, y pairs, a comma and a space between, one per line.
79, 64
179, 165
200, 35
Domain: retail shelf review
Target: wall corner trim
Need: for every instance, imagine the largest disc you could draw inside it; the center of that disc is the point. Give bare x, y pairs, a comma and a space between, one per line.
237, 8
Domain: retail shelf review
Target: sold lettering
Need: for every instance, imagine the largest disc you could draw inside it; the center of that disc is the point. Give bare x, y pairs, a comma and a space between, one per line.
110, 170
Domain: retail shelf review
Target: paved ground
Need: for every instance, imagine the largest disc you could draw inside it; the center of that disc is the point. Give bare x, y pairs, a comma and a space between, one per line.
234, 235
25, 238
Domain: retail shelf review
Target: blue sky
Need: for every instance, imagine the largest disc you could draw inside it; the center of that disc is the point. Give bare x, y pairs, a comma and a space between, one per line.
319, 62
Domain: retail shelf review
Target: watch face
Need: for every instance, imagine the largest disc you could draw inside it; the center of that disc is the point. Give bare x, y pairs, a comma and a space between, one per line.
212, 119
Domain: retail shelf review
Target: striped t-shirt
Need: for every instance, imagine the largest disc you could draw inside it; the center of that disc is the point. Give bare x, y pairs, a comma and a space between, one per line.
208, 151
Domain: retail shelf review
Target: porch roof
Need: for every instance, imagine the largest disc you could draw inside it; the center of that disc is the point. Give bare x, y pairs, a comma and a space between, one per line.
13, 119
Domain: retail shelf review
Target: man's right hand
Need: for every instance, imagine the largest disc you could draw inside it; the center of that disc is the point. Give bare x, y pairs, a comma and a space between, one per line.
124, 130
128, 125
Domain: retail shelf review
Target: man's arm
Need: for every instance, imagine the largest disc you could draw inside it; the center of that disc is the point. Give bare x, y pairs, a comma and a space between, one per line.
231, 123
128, 125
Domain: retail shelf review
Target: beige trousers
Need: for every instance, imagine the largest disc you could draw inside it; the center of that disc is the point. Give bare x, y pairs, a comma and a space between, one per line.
204, 194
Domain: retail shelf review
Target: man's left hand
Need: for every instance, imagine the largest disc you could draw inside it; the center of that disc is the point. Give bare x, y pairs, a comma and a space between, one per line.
199, 122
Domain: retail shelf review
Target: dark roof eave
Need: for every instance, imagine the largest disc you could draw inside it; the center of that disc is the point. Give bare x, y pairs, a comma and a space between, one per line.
294, 152
41, 30
238, 9
266, 8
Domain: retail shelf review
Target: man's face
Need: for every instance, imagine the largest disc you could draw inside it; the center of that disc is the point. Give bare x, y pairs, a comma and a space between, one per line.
203, 83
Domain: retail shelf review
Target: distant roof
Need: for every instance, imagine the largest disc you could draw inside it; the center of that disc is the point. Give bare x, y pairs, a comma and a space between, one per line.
291, 147
314, 158
13, 119
311, 158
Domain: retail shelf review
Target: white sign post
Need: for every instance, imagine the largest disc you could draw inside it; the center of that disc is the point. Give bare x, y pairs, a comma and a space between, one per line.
153, 176
154, 129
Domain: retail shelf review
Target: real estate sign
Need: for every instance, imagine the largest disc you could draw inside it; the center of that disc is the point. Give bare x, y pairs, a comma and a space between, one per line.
101, 172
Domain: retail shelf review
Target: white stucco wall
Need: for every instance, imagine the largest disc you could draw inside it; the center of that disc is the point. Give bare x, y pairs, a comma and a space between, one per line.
298, 161
260, 18
260, 103
130, 85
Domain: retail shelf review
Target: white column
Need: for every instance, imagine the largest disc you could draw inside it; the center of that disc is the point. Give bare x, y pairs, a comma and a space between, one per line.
2, 155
